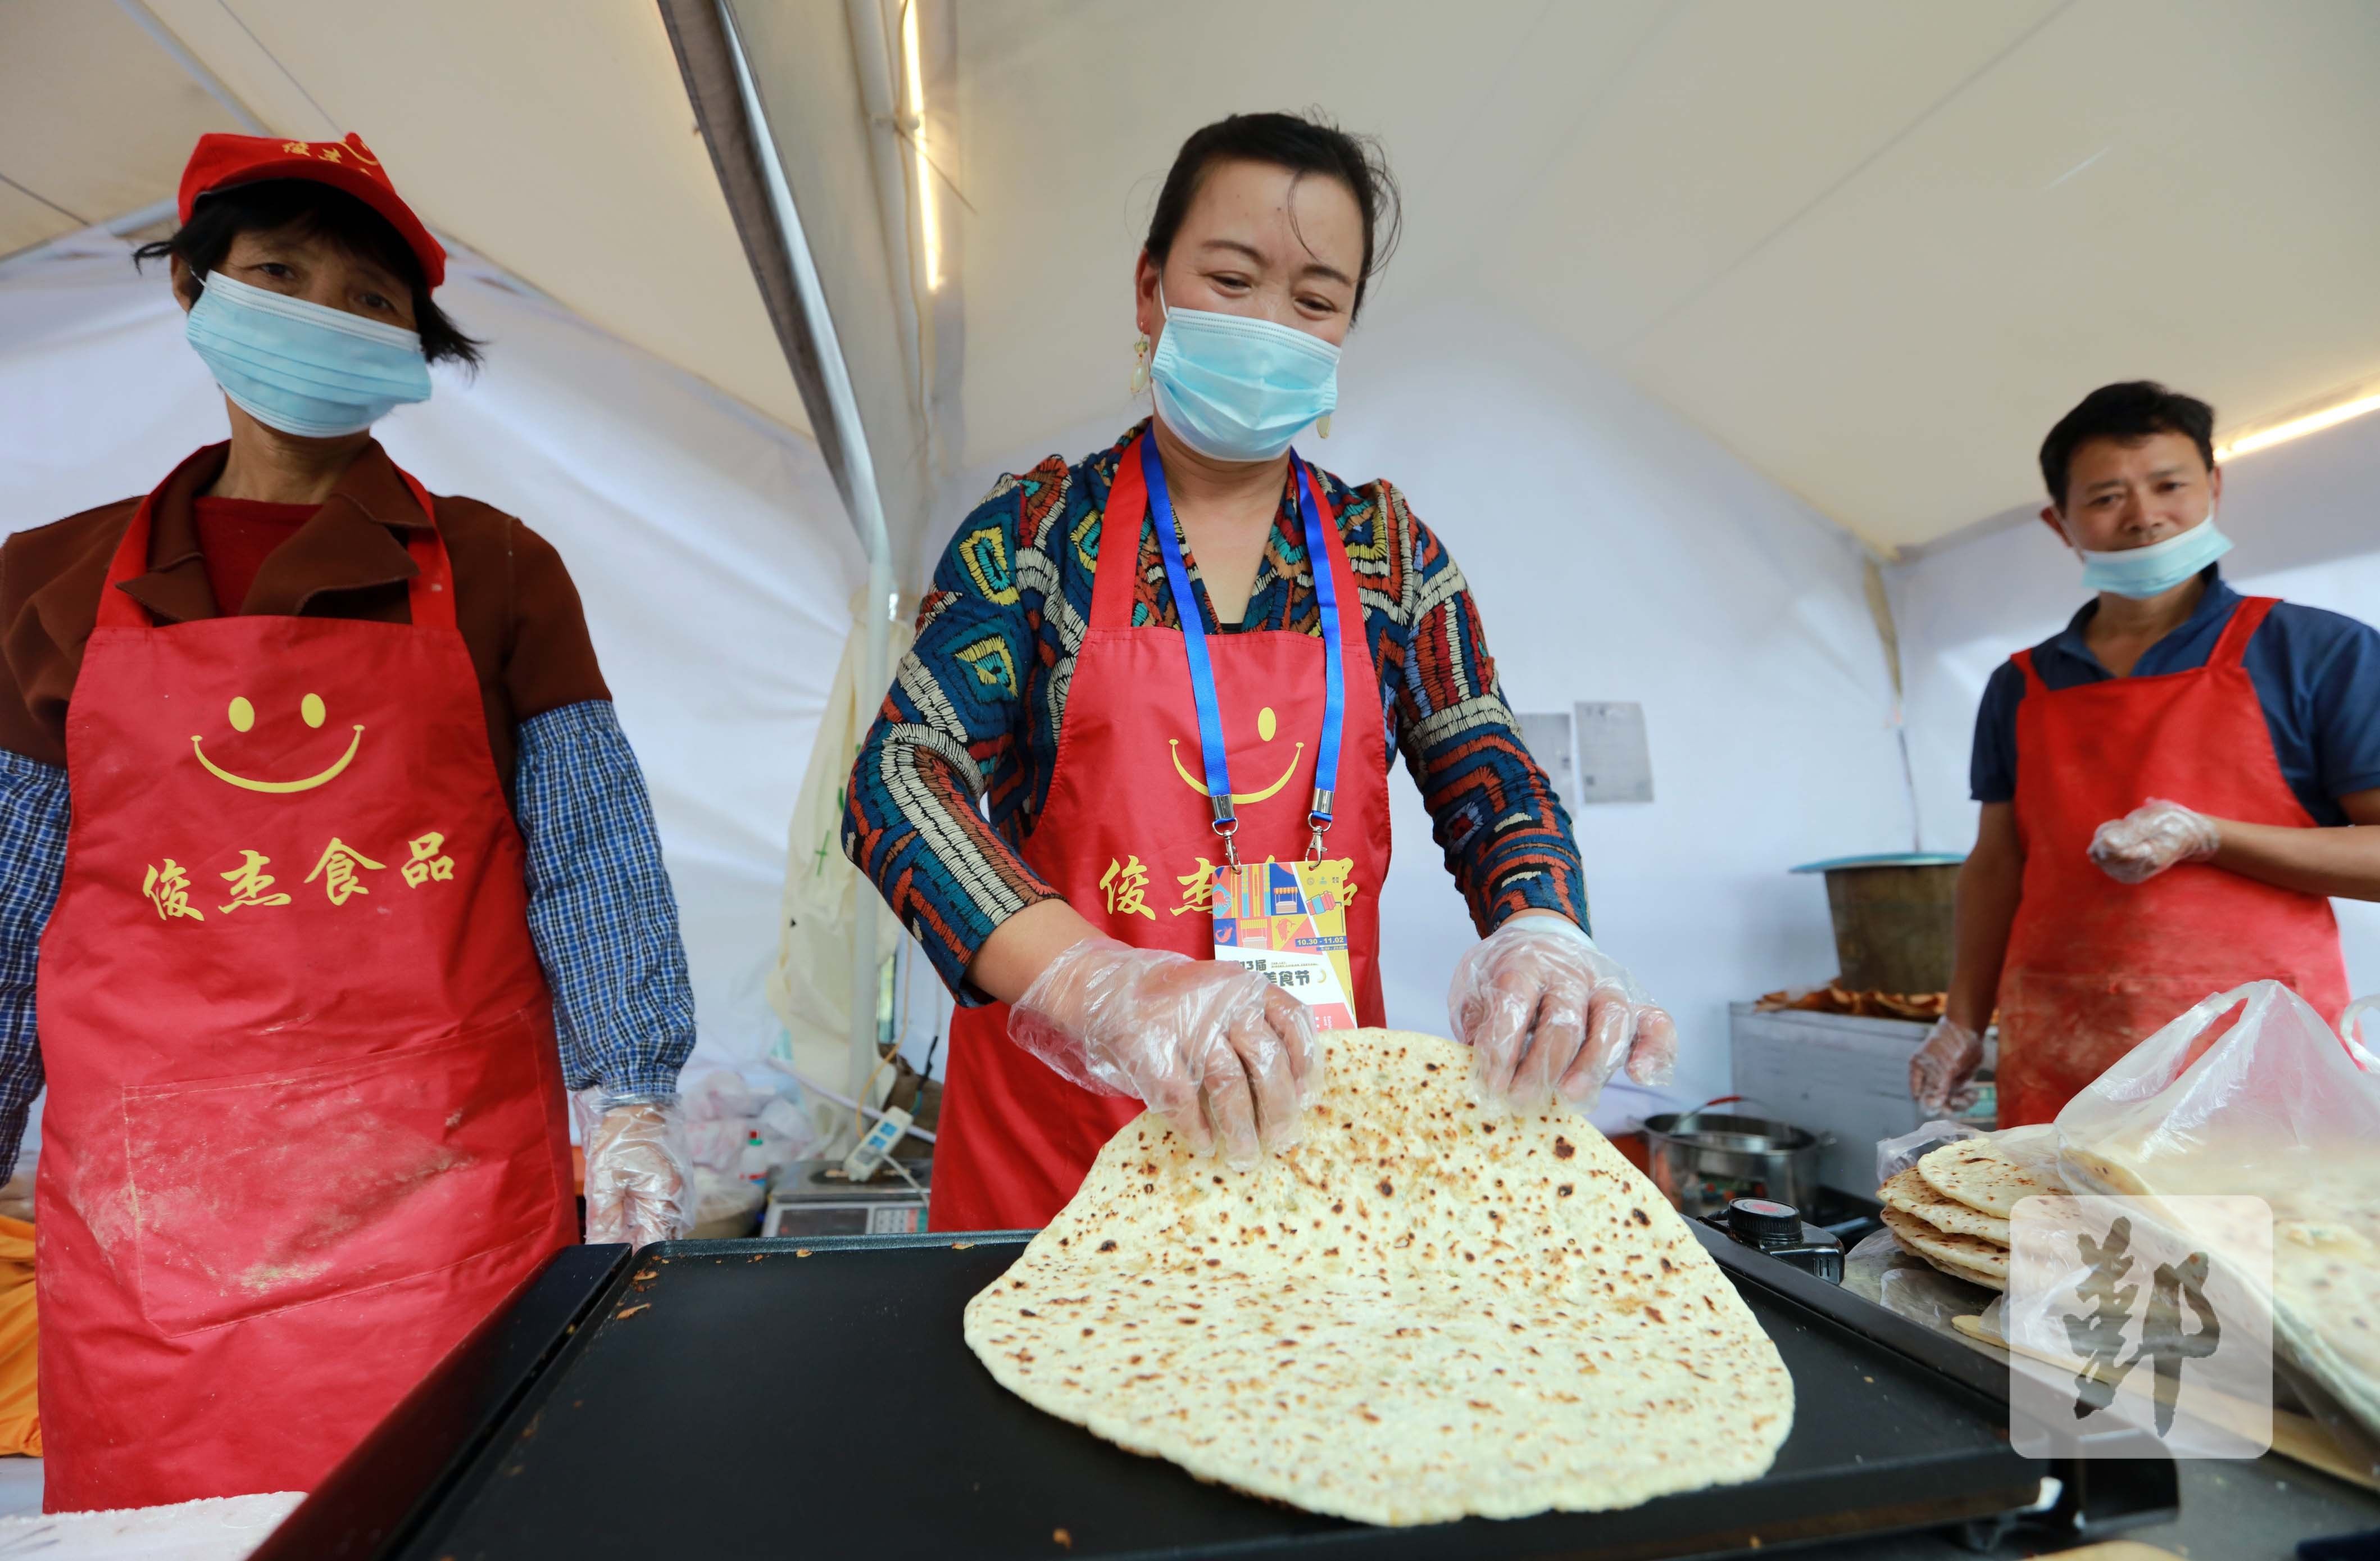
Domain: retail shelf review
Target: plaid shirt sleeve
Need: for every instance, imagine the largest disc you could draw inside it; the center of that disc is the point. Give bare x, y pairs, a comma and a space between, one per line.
601, 908
33, 848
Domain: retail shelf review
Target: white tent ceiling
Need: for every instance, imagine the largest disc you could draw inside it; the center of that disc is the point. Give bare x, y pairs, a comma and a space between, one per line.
73, 152
1874, 248
555, 140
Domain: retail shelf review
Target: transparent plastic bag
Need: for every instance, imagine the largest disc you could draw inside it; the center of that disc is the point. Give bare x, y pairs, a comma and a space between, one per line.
1880, 1269
1896, 1155
2351, 1028
1866, 1264
2033, 1147
1928, 1297
2252, 1094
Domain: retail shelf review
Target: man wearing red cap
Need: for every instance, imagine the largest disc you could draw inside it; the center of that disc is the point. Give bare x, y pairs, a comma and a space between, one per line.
316, 831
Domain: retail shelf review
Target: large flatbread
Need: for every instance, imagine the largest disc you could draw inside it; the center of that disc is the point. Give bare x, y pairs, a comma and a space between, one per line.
1941, 1245
1908, 1193
1975, 1172
1420, 1313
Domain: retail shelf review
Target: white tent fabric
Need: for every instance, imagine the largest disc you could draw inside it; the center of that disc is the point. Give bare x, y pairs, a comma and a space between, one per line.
810, 984
557, 142
1873, 250
709, 545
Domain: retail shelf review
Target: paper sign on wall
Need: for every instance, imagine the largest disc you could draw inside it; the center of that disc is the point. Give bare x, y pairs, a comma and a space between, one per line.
1614, 763
1548, 739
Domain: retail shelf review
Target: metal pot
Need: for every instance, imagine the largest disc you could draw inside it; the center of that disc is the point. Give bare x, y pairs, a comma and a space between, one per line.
1701, 1159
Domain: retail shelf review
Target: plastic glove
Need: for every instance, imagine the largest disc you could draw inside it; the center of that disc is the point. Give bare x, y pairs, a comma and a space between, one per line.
1220, 1052
639, 1168
1939, 1074
2152, 837
1547, 1014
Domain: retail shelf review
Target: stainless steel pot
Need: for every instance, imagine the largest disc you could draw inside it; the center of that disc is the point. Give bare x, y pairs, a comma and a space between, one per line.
1701, 1159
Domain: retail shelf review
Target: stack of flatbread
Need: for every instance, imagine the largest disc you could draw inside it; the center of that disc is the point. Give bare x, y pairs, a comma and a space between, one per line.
1952, 1208
1421, 1312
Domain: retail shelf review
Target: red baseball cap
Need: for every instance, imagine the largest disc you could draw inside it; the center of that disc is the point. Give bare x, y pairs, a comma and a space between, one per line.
221, 161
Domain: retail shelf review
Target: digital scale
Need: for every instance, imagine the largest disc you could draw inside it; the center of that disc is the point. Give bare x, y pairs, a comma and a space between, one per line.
813, 1198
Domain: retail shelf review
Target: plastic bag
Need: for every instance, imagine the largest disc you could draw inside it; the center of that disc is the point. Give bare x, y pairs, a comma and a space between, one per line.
723, 1112
2350, 1026
1896, 1155
722, 1095
2031, 1148
1880, 1269
2277, 1106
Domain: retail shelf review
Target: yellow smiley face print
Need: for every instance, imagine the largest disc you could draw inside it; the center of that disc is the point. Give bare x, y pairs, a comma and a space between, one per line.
1266, 724
241, 714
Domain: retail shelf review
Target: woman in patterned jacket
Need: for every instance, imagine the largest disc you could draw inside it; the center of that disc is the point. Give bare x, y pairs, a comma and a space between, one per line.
1129, 788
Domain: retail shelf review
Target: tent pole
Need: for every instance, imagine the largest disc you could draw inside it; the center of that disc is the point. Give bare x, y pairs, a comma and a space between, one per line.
859, 471
880, 93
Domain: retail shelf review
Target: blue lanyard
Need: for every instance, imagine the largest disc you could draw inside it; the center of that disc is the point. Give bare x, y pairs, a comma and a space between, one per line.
1202, 670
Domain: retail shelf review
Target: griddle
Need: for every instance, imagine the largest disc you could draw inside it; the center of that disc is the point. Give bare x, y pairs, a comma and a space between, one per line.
754, 1398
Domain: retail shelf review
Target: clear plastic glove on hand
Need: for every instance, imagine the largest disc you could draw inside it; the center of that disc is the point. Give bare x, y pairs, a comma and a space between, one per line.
639, 1168
1939, 1074
2152, 837
1229, 1059
1549, 1015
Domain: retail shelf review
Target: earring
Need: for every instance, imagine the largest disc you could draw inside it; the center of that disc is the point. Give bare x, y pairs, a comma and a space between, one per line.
1140, 364
1322, 426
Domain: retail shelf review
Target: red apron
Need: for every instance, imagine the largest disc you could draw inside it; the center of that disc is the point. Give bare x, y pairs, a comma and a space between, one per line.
1127, 837
305, 1123
2095, 967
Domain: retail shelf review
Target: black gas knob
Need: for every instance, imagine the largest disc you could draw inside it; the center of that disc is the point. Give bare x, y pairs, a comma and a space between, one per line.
1763, 1222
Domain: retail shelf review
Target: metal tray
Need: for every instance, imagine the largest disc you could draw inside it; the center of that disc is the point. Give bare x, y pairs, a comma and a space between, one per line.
748, 1400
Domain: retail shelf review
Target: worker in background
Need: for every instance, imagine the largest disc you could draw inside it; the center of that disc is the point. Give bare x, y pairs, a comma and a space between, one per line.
2173, 786
1178, 660
340, 829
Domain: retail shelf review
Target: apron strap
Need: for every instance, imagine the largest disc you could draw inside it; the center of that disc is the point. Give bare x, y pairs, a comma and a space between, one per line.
430, 595
2246, 618
2024, 661
1112, 595
1326, 559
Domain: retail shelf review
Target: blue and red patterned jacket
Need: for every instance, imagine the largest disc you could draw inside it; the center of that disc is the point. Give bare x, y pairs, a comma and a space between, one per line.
952, 776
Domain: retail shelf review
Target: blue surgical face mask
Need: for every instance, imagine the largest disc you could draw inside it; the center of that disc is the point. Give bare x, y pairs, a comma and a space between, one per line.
300, 367
2142, 572
1237, 389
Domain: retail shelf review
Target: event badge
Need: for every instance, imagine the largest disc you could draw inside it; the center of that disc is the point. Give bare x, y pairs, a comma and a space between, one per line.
1287, 921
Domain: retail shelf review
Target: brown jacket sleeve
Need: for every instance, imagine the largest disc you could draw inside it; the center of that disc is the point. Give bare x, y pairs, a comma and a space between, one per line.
550, 659
49, 597
520, 615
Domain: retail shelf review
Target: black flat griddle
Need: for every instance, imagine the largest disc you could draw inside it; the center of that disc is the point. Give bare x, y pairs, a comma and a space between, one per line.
747, 1400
